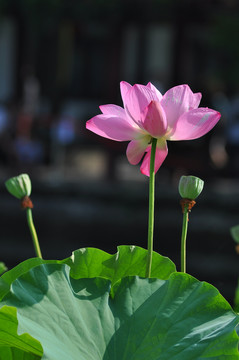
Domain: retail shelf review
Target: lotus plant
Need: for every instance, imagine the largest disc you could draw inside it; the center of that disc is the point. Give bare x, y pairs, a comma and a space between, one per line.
148, 120
95, 305
189, 187
20, 187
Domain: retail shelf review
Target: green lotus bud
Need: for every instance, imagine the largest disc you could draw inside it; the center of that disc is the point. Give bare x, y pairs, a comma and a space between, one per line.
19, 186
190, 187
3, 268
234, 230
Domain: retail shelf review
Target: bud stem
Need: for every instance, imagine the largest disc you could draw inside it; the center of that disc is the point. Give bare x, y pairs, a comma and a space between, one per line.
151, 208
33, 232
183, 238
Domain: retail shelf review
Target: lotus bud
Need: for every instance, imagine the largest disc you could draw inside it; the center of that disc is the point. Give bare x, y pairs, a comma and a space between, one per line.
190, 187
19, 186
234, 230
3, 268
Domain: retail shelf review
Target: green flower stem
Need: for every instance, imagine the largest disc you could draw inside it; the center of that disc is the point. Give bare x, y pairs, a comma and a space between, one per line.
151, 208
33, 233
183, 239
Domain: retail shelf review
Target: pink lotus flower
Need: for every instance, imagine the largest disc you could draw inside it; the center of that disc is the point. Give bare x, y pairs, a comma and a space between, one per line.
148, 114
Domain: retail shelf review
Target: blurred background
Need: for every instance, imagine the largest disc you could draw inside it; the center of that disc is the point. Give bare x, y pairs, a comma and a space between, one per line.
60, 60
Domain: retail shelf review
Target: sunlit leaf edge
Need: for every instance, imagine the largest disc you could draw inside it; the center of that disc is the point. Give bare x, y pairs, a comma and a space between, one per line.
93, 262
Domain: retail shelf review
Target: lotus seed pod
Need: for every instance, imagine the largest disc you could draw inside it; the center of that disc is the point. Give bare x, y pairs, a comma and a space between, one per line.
234, 230
190, 187
19, 186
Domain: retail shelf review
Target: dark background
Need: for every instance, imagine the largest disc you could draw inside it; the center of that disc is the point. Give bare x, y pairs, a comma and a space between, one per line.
60, 60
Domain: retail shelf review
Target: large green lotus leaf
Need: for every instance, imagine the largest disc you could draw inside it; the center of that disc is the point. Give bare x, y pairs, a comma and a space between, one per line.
12, 345
7, 353
179, 318
92, 262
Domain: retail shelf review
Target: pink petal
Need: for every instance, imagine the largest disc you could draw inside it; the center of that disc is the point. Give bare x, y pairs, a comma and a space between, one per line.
136, 150
137, 99
155, 90
196, 100
112, 127
111, 109
161, 153
177, 101
124, 89
194, 124
118, 111
154, 119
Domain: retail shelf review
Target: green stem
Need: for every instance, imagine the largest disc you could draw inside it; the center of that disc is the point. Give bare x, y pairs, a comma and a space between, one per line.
33, 233
151, 208
183, 239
